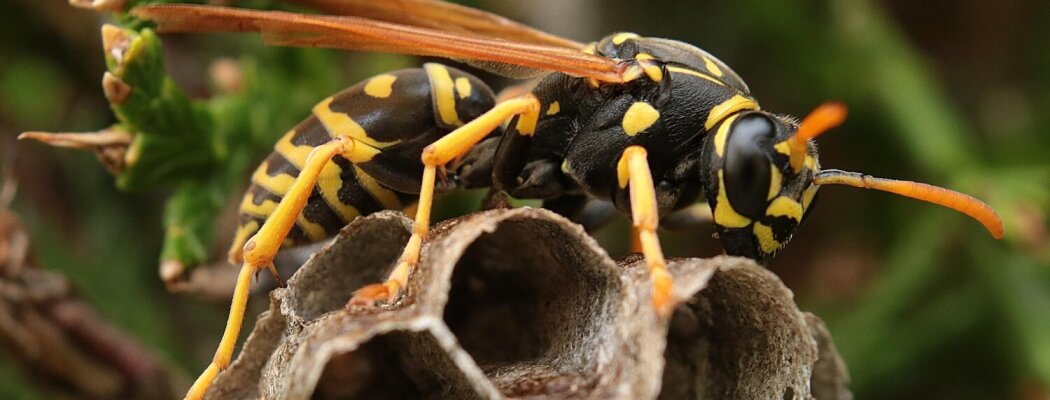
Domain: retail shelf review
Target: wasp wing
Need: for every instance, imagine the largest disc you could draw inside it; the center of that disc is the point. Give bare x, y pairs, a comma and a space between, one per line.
441, 15
356, 33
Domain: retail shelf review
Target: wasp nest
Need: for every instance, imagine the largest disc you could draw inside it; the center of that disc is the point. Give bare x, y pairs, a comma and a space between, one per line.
521, 303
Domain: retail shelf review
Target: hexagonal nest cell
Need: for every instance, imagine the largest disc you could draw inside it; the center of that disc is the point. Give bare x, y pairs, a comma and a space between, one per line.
521, 303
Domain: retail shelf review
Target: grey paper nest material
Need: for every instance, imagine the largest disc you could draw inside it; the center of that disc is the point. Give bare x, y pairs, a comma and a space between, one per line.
521, 303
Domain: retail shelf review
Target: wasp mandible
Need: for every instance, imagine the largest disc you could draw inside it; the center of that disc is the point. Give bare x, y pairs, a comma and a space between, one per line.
649, 124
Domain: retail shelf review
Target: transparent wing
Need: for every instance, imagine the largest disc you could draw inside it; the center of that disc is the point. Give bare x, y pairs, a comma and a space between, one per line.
443, 16
357, 33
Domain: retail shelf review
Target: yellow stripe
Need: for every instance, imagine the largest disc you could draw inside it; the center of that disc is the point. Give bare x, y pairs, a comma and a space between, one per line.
386, 197
294, 154
729, 107
783, 148
697, 74
278, 184
313, 231
784, 206
712, 67
380, 86
340, 124
329, 180
765, 238
589, 49
463, 87
622, 37
243, 233
775, 179
328, 184
444, 93
249, 207
722, 135
724, 213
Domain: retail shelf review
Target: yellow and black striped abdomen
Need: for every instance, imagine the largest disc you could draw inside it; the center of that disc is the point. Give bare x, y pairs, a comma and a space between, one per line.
391, 118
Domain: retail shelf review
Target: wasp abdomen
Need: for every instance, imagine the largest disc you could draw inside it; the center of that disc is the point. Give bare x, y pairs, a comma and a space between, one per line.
391, 118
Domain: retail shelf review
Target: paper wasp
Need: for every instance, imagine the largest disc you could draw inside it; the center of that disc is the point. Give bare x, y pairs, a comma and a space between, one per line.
649, 124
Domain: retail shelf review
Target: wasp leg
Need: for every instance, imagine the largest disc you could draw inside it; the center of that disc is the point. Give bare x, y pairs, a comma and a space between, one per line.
633, 169
261, 248
437, 154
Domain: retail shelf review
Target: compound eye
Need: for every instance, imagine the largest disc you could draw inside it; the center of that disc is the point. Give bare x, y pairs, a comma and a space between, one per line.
747, 164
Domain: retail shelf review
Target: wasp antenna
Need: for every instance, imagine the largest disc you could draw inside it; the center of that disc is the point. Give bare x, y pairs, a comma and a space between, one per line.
960, 202
86, 140
820, 120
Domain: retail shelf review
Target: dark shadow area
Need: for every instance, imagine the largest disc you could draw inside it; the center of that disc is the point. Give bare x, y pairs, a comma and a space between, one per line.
531, 304
364, 257
373, 371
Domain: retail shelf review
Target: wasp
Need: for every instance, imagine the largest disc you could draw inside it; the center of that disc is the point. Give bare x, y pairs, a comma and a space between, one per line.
651, 125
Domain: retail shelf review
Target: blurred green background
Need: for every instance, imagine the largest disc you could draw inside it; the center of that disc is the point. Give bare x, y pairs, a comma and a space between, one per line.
921, 301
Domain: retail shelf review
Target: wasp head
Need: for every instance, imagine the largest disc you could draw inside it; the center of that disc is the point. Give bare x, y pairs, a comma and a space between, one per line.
759, 182
762, 175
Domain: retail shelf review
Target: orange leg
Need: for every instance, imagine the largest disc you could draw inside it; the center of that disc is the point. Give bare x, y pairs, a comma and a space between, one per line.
261, 248
435, 156
633, 170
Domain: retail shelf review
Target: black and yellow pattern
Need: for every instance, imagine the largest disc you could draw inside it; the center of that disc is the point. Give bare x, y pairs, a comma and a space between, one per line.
391, 118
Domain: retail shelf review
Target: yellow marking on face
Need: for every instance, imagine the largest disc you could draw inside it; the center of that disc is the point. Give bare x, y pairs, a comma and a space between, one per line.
729, 107
712, 67
463, 87
278, 185
554, 108
784, 206
385, 197
639, 117
765, 238
697, 74
565, 167
808, 195
590, 49
722, 135
724, 213
622, 37
783, 148
444, 93
775, 180
243, 233
380, 86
